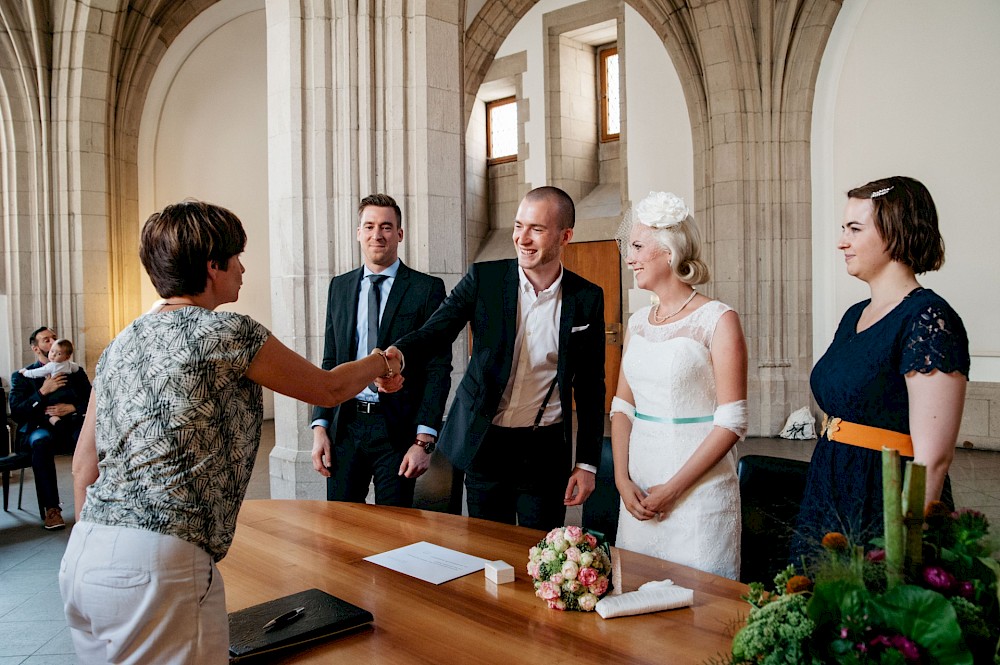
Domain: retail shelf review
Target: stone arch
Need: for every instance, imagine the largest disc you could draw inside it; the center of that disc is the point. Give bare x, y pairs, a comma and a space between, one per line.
142, 35
73, 84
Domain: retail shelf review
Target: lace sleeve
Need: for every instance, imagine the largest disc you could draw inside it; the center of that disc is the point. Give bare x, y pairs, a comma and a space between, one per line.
937, 341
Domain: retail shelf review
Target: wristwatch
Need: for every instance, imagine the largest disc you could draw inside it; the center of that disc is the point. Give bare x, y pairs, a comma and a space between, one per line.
428, 446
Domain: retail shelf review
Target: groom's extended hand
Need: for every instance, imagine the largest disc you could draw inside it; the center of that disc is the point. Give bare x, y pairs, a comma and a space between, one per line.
580, 486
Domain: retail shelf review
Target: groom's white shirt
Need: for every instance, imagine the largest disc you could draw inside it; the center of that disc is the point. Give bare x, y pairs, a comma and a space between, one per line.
536, 356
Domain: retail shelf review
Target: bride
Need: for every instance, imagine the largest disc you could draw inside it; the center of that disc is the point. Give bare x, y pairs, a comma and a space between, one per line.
681, 400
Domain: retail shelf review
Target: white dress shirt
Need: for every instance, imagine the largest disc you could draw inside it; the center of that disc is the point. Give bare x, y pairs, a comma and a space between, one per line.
536, 357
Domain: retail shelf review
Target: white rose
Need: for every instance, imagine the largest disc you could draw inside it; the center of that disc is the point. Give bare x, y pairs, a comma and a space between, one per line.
661, 210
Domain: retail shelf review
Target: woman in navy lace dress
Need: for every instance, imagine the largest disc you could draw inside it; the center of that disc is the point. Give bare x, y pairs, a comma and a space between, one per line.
896, 372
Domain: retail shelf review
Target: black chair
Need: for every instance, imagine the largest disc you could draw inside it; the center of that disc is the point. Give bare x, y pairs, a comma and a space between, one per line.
600, 511
771, 490
14, 460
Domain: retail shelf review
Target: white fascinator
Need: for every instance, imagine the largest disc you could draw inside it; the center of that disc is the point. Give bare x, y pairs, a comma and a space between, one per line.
661, 210
658, 210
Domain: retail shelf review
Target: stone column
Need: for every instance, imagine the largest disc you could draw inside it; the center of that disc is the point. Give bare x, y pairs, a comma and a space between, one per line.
82, 47
363, 97
56, 58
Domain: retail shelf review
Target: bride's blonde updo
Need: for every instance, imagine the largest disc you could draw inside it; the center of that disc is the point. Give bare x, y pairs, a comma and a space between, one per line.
673, 229
684, 243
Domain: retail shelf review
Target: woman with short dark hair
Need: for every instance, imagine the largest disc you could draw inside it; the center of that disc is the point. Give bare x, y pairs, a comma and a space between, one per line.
168, 446
894, 375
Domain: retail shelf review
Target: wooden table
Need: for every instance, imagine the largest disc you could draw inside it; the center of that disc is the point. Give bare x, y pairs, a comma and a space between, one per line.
283, 547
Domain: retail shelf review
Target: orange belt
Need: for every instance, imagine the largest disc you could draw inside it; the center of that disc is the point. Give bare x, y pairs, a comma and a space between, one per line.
863, 436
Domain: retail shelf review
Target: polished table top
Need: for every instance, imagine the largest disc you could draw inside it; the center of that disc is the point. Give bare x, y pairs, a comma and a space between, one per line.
282, 547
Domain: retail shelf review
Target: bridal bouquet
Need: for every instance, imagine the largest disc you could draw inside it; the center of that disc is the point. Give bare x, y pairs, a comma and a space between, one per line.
927, 594
571, 569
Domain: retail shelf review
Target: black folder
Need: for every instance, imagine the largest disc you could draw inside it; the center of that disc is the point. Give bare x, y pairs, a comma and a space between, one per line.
324, 615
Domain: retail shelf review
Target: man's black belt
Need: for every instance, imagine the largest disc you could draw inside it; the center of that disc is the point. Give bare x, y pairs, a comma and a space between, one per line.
367, 407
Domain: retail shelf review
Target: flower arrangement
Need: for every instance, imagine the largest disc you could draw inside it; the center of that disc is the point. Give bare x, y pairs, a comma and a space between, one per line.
571, 569
935, 603
661, 210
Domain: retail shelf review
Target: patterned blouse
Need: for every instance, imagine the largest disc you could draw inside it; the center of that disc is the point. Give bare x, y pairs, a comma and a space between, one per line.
178, 425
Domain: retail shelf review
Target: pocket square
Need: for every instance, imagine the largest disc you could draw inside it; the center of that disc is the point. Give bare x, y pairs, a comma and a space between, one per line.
579, 328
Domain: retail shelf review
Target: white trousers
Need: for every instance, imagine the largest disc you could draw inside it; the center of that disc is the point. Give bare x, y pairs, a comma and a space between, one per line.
135, 596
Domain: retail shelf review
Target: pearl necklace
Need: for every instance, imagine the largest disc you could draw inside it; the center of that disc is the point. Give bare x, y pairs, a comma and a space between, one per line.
674, 313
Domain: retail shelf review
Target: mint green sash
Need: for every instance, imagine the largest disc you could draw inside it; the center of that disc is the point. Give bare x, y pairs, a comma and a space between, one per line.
675, 421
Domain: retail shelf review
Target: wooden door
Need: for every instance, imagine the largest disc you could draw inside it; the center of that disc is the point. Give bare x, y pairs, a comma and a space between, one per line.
601, 263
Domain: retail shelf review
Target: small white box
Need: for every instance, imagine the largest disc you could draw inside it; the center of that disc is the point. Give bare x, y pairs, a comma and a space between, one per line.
499, 572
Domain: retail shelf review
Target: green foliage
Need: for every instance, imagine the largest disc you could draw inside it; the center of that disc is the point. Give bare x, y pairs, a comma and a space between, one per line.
926, 617
945, 610
777, 633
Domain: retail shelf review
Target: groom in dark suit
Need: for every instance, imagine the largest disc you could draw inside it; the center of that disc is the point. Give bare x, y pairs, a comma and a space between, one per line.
537, 345
388, 437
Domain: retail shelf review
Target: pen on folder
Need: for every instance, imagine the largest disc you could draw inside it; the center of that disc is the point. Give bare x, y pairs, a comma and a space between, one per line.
284, 618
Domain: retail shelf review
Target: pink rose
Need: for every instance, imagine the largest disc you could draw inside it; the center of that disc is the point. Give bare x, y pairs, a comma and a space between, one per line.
533, 569
572, 586
551, 536
573, 554
588, 576
547, 591
600, 587
587, 602
548, 556
574, 535
557, 605
556, 579
591, 540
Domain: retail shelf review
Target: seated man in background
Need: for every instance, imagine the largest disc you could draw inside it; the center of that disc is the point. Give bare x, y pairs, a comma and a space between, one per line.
33, 402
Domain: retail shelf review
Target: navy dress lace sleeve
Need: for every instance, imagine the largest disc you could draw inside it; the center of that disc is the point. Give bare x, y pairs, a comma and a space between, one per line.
862, 379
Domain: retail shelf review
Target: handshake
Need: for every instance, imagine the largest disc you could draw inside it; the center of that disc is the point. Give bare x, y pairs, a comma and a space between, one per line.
392, 380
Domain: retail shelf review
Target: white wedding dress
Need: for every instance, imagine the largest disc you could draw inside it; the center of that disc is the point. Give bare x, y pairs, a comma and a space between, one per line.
669, 368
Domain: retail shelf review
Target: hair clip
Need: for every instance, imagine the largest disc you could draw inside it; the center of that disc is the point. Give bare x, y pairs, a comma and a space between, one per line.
879, 192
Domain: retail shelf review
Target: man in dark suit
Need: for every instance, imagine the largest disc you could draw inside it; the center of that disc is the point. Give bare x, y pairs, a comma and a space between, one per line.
32, 403
538, 345
388, 437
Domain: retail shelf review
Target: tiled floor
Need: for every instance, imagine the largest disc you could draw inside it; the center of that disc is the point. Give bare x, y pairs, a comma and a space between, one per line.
33, 630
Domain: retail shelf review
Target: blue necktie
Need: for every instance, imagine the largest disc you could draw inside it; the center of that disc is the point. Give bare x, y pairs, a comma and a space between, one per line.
374, 302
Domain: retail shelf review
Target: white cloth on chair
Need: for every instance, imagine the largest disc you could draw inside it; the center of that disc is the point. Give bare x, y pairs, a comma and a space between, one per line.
800, 425
650, 597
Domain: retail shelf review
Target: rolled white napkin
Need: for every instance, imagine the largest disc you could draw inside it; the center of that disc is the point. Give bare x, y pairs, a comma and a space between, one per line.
650, 597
